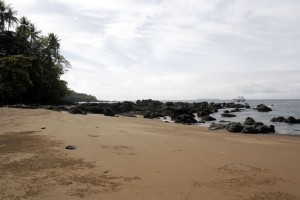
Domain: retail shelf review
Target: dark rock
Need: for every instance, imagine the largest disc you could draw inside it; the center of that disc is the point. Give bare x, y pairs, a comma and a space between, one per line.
291, 120
224, 121
207, 118
76, 110
258, 124
250, 129
70, 147
57, 108
249, 121
185, 119
278, 119
214, 126
109, 112
226, 111
227, 115
263, 108
203, 113
265, 129
234, 127
151, 114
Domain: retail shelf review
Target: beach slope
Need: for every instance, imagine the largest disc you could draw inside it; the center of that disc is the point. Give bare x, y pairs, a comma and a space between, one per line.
136, 158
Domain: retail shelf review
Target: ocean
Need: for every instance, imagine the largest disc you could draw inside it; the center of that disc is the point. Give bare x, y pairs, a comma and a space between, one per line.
284, 108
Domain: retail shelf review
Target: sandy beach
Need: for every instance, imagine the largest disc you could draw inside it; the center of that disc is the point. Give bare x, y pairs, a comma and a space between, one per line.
136, 158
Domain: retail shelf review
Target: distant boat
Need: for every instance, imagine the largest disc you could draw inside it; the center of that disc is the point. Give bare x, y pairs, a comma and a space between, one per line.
239, 99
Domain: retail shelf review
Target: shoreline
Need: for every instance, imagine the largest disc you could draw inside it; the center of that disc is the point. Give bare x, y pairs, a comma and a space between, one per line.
137, 158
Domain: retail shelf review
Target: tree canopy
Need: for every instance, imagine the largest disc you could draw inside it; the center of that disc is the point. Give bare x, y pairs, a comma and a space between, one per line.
30, 63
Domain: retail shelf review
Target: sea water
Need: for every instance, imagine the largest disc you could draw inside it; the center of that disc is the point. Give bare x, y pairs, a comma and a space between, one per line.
284, 108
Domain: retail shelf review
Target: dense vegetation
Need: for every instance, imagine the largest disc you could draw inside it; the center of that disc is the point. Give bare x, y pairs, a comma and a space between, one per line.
74, 97
30, 63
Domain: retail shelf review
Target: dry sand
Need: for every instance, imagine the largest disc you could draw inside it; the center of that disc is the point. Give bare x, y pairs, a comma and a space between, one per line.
135, 158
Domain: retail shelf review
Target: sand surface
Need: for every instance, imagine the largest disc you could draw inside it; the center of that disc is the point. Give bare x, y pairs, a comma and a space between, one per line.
136, 158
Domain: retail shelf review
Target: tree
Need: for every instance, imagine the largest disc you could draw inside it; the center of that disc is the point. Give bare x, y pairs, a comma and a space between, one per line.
30, 64
7, 16
14, 77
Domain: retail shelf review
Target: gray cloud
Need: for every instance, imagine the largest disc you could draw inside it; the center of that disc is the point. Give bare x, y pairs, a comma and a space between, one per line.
176, 49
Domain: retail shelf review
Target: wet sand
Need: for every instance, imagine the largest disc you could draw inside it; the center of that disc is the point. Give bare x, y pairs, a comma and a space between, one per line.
136, 158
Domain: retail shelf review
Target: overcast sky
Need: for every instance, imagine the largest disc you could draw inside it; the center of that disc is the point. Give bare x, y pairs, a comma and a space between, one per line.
175, 49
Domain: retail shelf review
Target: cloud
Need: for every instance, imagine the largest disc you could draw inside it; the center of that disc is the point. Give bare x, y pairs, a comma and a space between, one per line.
177, 49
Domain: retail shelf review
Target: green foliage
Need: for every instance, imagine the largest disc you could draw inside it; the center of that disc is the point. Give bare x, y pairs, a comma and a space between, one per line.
31, 64
74, 97
14, 77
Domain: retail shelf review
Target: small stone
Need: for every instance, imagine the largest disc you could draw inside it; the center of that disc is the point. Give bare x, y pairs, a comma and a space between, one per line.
70, 147
43, 127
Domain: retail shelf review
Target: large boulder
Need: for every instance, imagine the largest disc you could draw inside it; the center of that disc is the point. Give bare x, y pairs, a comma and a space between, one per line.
291, 120
214, 126
278, 119
227, 115
76, 110
185, 119
263, 108
207, 118
109, 112
234, 127
151, 114
203, 113
249, 121
250, 129
265, 129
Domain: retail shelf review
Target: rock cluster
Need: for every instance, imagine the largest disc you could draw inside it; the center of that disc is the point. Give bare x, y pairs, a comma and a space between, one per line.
289, 120
250, 126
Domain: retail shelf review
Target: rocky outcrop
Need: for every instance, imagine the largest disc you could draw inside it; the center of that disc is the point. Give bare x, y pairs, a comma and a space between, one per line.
234, 127
249, 127
109, 112
214, 126
278, 119
151, 114
185, 119
289, 120
249, 121
76, 110
207, 118
263, 108
227, 115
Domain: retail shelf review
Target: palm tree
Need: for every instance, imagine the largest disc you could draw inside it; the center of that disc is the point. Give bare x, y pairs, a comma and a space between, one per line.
23, 27
28, 30
11, 17
2, 11
33, 33
53, 42
7, 16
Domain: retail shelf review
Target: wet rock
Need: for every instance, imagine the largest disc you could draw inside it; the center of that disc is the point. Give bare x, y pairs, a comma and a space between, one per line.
207, 118
265, 129
76, 110
263, 108
278, 119
214, 126
250, 130
185, 119
249, 121
227, 115
234, 127
109, 112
